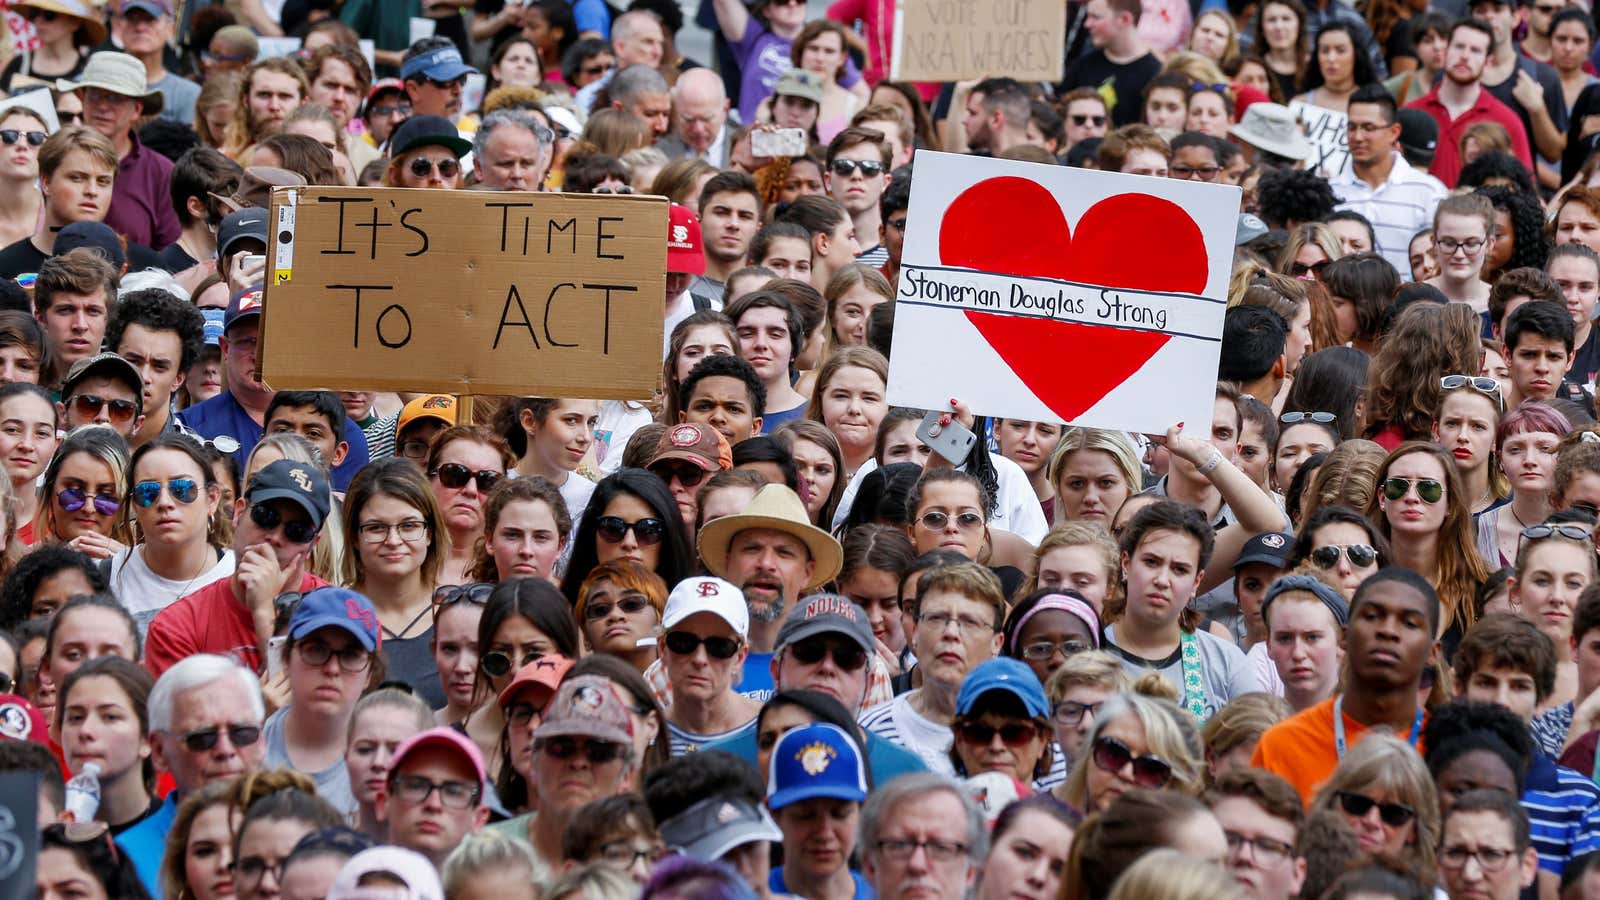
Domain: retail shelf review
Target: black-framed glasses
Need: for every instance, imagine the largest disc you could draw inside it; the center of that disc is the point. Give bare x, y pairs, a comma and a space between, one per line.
1149, 771
385, 110
1295, 418
414, 449
597, 752
353, 658
631, 604
933, 520
417, 789
647, 531
521, 715
251, 869
1360, 555
1299, 270
89, 406
624, 855
75, 498
456, 476
183, 490
1394, 815
1449, 246
1546, 531
1080, 121
1490, 859
688, 474
902, 849
422, 167
684, 643
1042, 650
846, 654
1395, 487
1012, 734
498, 663
410, 531
1069, 713
10, 136
204, 739
844, 168
267, 517
1265, 850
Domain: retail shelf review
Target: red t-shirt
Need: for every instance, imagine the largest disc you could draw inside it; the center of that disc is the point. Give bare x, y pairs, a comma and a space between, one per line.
210, 620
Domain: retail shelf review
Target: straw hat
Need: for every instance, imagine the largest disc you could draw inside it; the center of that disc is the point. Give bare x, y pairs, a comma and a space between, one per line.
93, 33
777, 508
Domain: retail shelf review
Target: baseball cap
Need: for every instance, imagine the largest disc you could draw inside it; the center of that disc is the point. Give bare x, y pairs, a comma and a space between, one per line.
20, 720
442, 64
255, 187
447, 738
339, 608
1003, 673
587, 706
250, 222
286, 479
707, 594
816, 760
992, 792
417, 871
716, 825
1419, 134
434, 406
799, 83
380, 87
700, 444
1269, 547
157, 8
824, 614
213, 326
105, 365
95, 236
545, 672
428, 131
685, 252
1249, 228
247, 302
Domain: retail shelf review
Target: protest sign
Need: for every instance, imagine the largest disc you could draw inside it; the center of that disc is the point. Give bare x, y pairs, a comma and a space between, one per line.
956, 40
19, 832
465, 292
1062, 295
1325, 129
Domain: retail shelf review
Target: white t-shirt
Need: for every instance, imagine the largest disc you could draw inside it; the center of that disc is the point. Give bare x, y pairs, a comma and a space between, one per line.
144, 593
681, 308
576, 491
619, 419
1016, 511
896, 721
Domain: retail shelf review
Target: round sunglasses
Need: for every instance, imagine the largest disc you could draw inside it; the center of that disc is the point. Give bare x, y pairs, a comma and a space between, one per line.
1360, 555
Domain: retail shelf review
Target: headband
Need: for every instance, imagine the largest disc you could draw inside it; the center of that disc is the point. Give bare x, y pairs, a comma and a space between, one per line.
1331, 598
1072, 604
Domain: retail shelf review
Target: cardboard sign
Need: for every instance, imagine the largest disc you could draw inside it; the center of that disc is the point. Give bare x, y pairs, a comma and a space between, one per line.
1326, 131
956, 40
465, 292
1062, 295
19, 834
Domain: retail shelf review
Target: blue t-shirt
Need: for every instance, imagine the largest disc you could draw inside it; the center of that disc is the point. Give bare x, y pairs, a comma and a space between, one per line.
864, 891
757, 681
592, 15
223, 415
145, 843
885, 760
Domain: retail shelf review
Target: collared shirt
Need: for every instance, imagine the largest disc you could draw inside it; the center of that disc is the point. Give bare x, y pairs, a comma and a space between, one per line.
1397, 208
1557, 801
141, 205
1447, 158
223, 414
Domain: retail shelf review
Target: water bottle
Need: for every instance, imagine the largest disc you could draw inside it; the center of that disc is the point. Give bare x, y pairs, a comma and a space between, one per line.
83, 794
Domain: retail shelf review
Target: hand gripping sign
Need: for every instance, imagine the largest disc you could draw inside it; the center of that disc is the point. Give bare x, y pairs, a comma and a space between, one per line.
1062, 295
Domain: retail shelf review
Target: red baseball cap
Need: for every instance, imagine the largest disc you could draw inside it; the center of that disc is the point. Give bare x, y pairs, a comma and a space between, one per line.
22, 721
685, 252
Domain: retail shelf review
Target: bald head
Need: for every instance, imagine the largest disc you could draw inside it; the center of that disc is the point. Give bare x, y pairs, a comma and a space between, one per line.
639, 39
699, 109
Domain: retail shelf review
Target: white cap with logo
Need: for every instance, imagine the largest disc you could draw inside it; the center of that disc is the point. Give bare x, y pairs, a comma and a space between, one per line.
706, 594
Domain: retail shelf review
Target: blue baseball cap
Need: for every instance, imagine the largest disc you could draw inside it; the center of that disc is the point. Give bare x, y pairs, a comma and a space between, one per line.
247, 302
443, 64
817, 760
339, 608
213, 326
1003, 673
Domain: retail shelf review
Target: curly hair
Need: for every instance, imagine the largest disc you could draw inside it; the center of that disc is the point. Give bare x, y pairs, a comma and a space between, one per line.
1530, 244
1293, 196
1495, 165
1429, 340
159, 310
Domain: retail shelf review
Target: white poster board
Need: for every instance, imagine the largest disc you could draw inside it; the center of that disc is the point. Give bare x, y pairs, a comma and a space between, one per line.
1325, 129
1062, 295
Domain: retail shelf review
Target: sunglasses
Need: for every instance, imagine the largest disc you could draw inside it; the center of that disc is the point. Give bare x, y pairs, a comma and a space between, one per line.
844, 168
597, 752
1015, 734
593, 69
1081, 121
10, 136
1482, 383
615, 189
1393, 815
936, 521
476, 592
74, 499
647, 531
688, 474
1429, 490
183, 490
1112, 755
89, 405
447, 85
595, 612
1295, 418
456, 476
1360, 555
1300, 269
685, 643
498, 663
1543, 532
846, 655
206, 738
385, 110
422, 166
69, 118
299, 531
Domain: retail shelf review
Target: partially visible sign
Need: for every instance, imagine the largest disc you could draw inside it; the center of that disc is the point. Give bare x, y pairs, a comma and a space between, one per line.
1325, 129
958, 40
19, 834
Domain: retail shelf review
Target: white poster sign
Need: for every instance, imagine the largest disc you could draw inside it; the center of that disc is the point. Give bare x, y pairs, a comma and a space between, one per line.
1325, 129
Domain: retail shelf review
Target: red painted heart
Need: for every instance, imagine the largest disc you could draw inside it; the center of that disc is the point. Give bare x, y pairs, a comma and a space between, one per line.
1013, 226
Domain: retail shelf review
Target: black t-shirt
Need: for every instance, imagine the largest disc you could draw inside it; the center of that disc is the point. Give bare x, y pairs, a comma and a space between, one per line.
175, 259
20, 258
1399, 45
1122, 85
1555, 102
1586, 361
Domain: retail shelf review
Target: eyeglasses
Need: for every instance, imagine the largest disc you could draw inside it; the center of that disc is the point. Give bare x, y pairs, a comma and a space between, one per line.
450, 85
1043, 650
385, 110
38, 15
1583, 507
1490, 859
1069, 713
1205, 172
1300, 269
933, 520
497, 663
422, 167
417, 789
456, 476
688, 474
1012, 734
1149, 771
647, 531
1394, 815
251, 869
69, 118
623, 855
1449, 246
941, 620
206, 738
1265, 850
684, 643
10, 136
89, 405
1081, 121
299, 531
410, 531
847, 655
353, 658
597, 752
1547, 531
612, 189
1395, 487
593, 69
74, 499
844, 168
1360, 555
450, 594
147, 493
902, 849
1295, 418
521, 715
222, 443
631, 605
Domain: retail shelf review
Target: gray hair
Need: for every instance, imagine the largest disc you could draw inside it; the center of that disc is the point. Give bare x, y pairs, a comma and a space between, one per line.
882, 801
634, 81
151, 278
192, 673
481, 853
515, 118
628, 25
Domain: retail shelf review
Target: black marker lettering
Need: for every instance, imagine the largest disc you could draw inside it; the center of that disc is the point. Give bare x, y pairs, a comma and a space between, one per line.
505, 223
549, 303
339, 248
414, 230
374, 225
550, 234
600, 238
605, 334
394, 345
355, 337
525, 323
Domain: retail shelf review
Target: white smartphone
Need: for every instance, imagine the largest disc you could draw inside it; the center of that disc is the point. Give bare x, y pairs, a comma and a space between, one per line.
275, 654
952, 441
782, 142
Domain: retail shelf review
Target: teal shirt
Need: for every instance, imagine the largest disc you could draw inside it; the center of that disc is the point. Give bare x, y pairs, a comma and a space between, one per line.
885, 759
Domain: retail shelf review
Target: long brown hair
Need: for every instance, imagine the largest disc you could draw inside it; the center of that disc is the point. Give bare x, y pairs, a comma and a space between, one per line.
1428, 341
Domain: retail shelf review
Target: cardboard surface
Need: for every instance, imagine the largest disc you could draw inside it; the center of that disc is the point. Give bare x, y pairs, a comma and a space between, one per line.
465, 292
1062, 295
956, 40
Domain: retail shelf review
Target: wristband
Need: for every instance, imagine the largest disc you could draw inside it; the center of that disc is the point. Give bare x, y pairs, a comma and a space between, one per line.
1210, 464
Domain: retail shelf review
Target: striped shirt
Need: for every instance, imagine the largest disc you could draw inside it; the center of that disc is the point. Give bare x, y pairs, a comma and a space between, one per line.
874, 256
1398, 208
682, 742
1550, 729
1558, 801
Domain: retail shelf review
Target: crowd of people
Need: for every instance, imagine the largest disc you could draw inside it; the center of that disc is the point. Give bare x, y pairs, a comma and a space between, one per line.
752, 637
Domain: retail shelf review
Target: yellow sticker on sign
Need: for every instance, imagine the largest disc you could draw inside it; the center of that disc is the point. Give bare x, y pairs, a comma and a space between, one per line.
283, 277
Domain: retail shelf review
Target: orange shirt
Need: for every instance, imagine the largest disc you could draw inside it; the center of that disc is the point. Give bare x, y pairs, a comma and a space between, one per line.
1301, 748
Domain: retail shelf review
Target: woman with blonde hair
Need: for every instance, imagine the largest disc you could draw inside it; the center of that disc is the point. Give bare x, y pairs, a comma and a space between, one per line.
81, 494
1079, 556
1136, 742
1077, 690
1092, 472
612, 132
1216, 37
213, 110
1384, 791
851, 294
1167, 874
1311, 246
1232, 733
1470, 409
1348, 476
850, 400
1289, 298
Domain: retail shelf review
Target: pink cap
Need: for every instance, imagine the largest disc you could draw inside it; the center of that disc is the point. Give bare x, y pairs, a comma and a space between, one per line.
442, 737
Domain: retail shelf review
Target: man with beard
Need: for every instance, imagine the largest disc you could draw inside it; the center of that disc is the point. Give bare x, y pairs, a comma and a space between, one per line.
773, 553
996, 116
1460, 100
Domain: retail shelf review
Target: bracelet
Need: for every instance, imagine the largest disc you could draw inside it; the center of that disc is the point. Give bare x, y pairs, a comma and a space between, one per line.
1210, 464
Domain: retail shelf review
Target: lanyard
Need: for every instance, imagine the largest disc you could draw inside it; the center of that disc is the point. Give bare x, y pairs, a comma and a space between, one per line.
1194, 688
1338, 727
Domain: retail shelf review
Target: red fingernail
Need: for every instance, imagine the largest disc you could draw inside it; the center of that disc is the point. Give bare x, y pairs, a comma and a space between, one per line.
1180, 425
